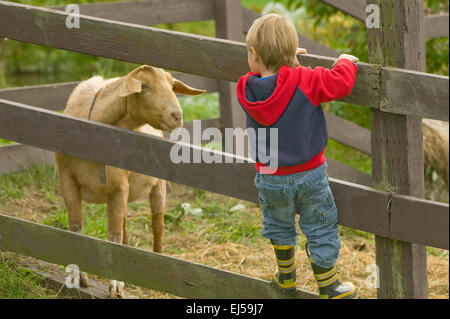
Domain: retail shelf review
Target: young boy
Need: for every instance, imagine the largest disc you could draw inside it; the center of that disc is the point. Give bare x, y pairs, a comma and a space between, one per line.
281, 94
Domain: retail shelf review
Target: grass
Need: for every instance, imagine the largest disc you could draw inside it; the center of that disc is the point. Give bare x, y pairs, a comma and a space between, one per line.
13, 186
215, 236
19, 283
349, 156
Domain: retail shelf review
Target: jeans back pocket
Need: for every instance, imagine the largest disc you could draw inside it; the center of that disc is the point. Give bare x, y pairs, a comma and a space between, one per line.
328, 211
272, 195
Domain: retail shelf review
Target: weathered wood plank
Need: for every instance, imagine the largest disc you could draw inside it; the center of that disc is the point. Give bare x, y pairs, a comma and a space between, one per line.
216, 58
148, 12
58, 283
54, 96
123, 41
99, 142
347, 173
348, 133
436, 26
359, 206
163, 11
413, 219
204, 124
401, 85
132, 265
50, 96
355, 8
397, 151
15, 158
18, 157
228, 27
365, 209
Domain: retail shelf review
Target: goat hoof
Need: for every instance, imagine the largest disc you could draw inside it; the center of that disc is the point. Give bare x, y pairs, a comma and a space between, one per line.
116, 289
84, 280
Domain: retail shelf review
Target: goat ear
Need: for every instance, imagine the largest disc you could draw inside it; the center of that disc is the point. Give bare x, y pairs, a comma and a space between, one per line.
130, 85
181, 88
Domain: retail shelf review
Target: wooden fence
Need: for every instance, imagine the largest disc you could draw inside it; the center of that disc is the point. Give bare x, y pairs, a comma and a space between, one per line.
389, 214
436, 26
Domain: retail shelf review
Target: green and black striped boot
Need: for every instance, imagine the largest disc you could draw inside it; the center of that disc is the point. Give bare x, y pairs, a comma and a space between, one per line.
285, 277
329, 285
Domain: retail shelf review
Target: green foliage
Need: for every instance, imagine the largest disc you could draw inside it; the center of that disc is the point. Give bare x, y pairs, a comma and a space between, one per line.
95, 220
205, 28
437, 56
317, 8
29, 64
215, 221
200, 107
255, 5
5, 142
436, 6
349, 156
13, 185
19, 283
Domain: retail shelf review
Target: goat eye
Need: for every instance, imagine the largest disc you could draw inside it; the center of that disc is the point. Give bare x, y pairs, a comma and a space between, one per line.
145, 86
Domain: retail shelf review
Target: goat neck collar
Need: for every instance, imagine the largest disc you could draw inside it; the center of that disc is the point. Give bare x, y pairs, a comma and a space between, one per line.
93, 102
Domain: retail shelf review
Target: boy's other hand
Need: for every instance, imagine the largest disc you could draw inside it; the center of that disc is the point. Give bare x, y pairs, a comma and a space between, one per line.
299, 51
346, 57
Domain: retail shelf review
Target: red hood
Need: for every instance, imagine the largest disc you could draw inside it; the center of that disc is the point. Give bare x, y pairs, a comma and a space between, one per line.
267, 112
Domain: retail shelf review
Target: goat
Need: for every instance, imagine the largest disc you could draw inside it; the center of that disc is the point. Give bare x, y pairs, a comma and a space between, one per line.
144, 100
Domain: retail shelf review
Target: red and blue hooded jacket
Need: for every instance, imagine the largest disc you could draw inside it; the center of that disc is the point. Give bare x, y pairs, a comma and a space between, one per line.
289, 101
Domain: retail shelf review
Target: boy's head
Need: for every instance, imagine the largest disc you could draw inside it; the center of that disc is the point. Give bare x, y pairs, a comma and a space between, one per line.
272, 40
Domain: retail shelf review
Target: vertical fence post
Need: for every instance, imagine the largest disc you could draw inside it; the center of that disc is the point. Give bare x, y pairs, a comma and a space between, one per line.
397, 150
228, 17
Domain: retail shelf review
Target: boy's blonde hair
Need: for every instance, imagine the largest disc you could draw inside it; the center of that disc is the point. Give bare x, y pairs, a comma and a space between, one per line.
275, 40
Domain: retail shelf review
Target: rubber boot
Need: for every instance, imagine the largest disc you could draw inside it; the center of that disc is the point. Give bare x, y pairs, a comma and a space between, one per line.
329, 285
285, 278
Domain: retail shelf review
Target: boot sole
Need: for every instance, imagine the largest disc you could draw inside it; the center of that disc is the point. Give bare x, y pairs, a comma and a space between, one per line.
352, 295
286, 291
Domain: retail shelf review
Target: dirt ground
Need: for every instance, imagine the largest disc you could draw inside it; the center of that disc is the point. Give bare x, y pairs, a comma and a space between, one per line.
250, 257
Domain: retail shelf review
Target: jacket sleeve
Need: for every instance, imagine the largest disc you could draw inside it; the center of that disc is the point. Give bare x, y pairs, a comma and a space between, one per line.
323, 85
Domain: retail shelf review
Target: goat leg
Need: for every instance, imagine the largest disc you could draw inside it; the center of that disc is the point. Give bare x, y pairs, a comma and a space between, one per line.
157, 203
116, 208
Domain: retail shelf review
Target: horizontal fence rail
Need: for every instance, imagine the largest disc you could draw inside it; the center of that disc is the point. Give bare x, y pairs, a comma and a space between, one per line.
18, 157
161, 12
149, 12
54, 97
347, 133
143, 268
177, 51
15, 158
436, 26
360, 207
355, 8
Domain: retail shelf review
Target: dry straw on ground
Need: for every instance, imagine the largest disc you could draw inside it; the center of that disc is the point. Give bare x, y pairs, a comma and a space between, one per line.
250, 257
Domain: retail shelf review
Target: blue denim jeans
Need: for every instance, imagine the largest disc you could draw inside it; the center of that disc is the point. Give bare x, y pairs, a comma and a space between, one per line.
309, 194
